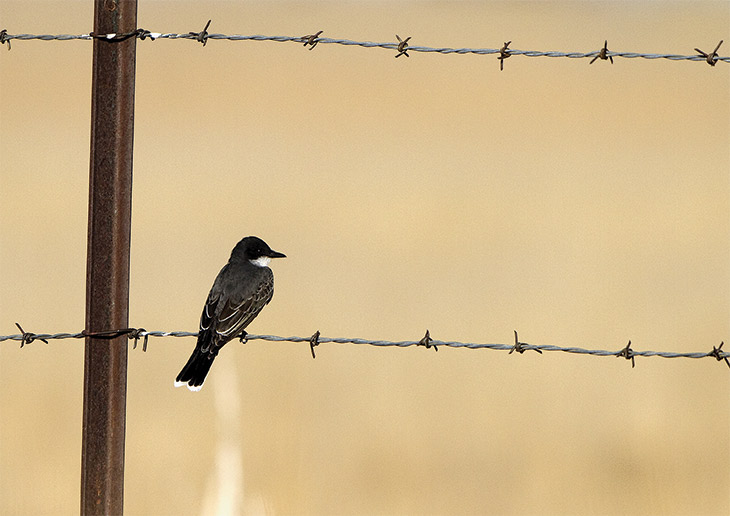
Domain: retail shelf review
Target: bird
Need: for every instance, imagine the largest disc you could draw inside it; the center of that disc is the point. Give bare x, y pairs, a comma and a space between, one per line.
240, 291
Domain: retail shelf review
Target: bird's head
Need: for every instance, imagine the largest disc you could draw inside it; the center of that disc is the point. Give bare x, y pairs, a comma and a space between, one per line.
255, 251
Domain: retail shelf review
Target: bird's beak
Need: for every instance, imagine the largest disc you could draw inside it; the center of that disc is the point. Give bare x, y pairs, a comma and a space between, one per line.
275, 254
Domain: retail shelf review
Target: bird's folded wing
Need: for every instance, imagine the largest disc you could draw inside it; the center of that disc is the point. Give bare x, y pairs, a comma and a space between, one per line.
235, 314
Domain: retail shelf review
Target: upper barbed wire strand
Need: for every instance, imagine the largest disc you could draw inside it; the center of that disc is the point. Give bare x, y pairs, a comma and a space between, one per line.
144, 34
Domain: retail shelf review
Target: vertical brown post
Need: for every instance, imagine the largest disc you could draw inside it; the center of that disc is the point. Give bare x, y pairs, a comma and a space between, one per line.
107, 266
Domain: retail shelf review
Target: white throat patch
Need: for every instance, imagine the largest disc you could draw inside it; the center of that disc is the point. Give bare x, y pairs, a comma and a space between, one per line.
261, 261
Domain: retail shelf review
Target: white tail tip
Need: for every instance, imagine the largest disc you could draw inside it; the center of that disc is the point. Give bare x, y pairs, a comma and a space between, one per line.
194, 389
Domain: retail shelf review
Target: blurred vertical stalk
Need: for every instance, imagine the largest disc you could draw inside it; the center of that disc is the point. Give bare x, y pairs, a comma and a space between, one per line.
224, 490
107, 267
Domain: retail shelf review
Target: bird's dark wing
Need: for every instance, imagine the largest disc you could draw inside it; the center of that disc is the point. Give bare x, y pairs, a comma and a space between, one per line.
227, 311
236, 314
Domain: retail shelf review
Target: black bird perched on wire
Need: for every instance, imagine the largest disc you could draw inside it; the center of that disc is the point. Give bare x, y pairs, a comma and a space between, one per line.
240, 291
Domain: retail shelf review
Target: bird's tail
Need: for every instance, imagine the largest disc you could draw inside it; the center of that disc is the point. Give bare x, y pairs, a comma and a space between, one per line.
194, 373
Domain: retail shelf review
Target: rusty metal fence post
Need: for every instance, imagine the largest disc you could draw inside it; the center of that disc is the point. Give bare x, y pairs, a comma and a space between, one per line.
107, 267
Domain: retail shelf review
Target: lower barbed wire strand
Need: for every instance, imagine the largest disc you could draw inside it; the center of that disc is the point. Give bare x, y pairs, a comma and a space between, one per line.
30, 337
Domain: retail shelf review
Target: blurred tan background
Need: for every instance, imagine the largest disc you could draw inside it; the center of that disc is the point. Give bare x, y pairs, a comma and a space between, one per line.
583, 205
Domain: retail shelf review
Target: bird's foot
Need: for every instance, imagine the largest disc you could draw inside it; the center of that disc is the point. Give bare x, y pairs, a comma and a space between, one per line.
243, 337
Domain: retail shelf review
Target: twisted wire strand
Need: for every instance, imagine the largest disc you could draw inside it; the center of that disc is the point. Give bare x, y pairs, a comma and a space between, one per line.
717, 353
203, 36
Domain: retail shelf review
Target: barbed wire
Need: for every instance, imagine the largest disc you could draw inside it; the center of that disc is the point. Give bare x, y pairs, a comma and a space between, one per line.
402, 46
316, 339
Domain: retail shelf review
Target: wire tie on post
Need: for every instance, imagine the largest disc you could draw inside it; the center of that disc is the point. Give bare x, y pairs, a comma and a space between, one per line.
4, 37
402, 46
28, 337
426, 341
717, 353
115, 37
312, 40
627, 353
126, 36
107, 334
603, 53
202, 36
313, 342
504, 53
136, 334
712, 57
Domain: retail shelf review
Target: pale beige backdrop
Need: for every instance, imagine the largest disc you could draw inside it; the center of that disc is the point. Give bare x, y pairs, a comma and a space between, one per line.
583, 205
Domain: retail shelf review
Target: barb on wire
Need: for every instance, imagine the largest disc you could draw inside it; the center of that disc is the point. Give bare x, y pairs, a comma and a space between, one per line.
718, 354
201, 36
711, 58
137, 334
402, 46
504, 53
27, 337
4, 38
627, 353
521, 347
603, 53
316, 339
426, 341
312, 40
143, 34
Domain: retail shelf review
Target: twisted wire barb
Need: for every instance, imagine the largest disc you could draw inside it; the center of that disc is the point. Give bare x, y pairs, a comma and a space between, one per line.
312, 40
426, 341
